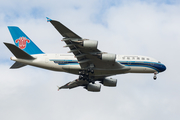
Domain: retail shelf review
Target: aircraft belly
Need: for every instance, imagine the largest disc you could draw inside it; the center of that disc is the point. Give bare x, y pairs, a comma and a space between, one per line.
106, 72
74, 69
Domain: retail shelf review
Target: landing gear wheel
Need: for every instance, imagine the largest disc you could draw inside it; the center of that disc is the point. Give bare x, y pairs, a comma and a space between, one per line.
92, 71
80, 77
83, 72
154, 77
88, 70
88, 79
87, 74
80, 72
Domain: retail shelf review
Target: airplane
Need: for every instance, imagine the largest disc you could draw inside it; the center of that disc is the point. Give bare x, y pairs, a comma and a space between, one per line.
87, 61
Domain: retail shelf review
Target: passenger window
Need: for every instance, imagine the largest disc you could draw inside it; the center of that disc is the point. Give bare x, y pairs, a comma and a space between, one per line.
142, 58
147, 58
138, 58
128, 58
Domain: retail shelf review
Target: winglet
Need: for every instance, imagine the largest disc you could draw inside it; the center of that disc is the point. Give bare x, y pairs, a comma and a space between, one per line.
48, 19
59, 88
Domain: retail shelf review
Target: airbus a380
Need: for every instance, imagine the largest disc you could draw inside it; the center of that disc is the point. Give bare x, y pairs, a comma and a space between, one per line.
87, 61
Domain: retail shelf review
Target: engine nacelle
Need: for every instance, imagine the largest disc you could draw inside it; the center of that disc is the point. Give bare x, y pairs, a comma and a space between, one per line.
93, 87
109, 82
108, 57
90, 44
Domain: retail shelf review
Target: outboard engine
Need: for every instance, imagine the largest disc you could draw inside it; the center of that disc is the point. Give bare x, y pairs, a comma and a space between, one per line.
90, 44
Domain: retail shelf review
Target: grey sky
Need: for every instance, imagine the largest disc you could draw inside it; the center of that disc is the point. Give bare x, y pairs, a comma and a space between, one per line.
140, 27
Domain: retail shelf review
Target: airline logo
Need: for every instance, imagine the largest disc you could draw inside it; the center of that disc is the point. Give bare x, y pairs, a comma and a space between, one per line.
22, 42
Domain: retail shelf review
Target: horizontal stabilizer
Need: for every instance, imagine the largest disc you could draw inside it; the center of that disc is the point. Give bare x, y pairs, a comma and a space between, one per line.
18, 53
63, 30
17, 65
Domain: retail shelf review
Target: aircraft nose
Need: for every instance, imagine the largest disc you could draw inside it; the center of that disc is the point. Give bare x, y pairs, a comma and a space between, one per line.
163, 68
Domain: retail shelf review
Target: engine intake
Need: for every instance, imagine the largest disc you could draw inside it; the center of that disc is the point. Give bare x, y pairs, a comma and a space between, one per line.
93, 87
109, 82
90, 44
108, 57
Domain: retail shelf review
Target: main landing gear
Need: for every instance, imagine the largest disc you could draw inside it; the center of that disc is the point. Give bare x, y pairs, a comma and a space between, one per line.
155, 77
84, 74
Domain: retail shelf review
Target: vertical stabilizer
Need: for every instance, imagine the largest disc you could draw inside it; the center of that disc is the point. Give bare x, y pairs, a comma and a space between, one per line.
22, 41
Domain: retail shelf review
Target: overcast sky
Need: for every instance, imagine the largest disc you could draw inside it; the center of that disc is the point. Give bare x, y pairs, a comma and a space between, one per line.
134, 27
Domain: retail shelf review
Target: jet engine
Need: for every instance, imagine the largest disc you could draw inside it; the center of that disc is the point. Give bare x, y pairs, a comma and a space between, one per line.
108, 57
90, 44
109, 82
93, 87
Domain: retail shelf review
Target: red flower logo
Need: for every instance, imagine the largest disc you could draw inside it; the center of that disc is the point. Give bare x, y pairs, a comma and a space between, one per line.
22, 42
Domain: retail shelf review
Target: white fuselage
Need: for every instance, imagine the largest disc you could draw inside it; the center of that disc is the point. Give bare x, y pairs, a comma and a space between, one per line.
68, 63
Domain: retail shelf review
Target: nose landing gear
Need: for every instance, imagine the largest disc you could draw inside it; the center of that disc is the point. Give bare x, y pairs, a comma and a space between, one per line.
155, 77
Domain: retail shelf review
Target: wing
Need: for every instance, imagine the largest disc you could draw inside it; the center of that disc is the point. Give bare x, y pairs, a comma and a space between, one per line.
73, 84
86, 50
88, 86
63, 30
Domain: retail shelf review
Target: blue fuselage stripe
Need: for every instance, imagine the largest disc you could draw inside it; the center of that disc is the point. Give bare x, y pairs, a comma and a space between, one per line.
153, 65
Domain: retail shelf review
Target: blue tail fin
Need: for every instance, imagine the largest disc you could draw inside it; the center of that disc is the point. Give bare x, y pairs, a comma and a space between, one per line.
22, 41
